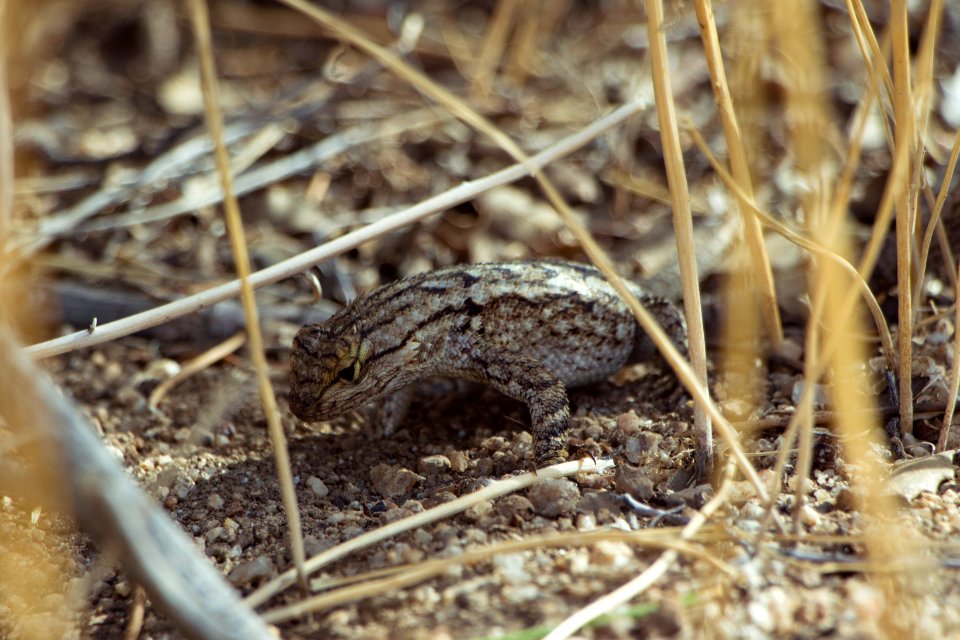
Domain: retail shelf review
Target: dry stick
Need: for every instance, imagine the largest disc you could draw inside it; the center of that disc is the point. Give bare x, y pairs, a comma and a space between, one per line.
211, 101
937, 210
654, 572
400, 577
741, 171
491, 491
267, 173
307, 259
954, 375
195, 365
903, 108
115, 512
682, 222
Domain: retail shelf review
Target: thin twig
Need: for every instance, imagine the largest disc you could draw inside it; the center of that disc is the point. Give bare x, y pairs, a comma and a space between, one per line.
654, 572
400, 577
195, 365
903, 107
682, 222
741, 171
238, 243
954, 376
489, 492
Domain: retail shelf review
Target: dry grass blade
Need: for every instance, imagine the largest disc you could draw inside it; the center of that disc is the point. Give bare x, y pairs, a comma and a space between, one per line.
741, 171
6, 146
682, 222
903, 140
491, 491
400, 577
196, 365
869, 47
954, 376
238, 243
494, 44
295, 265
654, 572
115, 512
934, 222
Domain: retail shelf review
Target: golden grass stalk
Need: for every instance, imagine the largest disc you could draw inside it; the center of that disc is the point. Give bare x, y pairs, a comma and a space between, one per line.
385, 581
491, 491
6, 144
903, 139
682, 219
238, 243
494, 44
859, 282
654, 572
954, 375
935, 221
741, 171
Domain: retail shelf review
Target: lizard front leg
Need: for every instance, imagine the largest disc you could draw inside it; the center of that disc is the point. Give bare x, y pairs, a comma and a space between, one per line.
531, 382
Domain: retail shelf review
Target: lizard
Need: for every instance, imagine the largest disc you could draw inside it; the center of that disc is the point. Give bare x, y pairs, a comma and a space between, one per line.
530, 329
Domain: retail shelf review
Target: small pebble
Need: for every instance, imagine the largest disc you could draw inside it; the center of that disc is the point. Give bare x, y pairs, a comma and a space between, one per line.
630, 479
316, 485
389, 480
554, 497
246, 572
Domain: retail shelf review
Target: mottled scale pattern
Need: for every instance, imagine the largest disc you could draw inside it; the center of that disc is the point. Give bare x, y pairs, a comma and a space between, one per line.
529, 329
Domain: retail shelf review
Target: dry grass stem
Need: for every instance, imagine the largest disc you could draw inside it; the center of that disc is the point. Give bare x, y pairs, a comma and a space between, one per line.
491, 53
405, 576
196, 365
238, 243
682, 221
654, 572
903, 108
741, 172
954, 377
493, 490
6, 144
935, 214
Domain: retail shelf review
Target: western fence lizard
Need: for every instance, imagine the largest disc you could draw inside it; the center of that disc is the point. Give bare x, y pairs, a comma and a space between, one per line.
530, 329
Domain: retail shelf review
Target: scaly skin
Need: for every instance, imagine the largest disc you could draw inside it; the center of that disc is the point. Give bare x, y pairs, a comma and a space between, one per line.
529, 329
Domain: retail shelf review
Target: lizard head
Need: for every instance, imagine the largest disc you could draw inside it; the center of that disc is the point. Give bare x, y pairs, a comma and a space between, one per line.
327, 373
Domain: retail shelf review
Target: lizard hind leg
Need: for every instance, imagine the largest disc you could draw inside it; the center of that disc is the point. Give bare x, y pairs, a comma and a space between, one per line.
530, 381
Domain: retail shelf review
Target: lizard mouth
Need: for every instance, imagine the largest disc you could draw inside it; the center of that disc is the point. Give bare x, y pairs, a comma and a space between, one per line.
306, 408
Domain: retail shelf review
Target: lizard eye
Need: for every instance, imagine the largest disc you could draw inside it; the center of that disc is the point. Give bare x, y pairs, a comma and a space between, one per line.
350, 373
